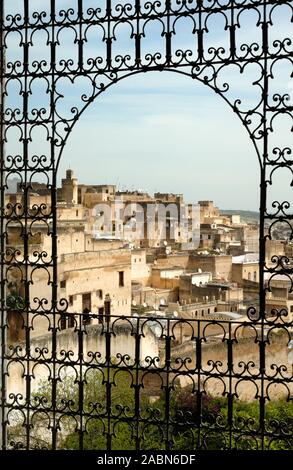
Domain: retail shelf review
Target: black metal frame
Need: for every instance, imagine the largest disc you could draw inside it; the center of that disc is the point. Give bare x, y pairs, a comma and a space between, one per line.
200, 63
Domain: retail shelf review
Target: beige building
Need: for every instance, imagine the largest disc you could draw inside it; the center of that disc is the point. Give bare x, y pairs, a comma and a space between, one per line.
141, 271
166, 278
93, 275
219, 265
190, 292
245, 268
146, 298
208, 211
279, 298
90, 279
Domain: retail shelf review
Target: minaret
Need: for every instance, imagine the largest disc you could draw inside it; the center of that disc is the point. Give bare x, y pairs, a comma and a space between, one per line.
70, 188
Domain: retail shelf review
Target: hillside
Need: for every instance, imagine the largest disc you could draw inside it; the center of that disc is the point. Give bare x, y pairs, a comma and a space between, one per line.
246, 216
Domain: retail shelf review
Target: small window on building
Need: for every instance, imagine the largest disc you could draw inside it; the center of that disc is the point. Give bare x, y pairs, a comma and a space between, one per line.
121, 278
107, 309
63, 322
86, 302
209, 311
202, 313
63, 284
71, 321
86, 319
249, 276
291, 308
101, 314
100, 293
254, 276
70, 300
76, 213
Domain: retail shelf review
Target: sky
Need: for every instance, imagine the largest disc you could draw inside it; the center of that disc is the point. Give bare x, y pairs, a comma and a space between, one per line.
162, 131
165, 132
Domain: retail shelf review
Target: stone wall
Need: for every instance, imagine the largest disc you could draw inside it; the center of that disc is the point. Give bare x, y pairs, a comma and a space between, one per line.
245, 352
245, 271
122, 343
219, 265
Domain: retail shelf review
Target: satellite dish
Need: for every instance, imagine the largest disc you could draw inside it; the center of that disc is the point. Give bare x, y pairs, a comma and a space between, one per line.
162, 301
200, 270
144, 304
134, 303
165, 243
175, 313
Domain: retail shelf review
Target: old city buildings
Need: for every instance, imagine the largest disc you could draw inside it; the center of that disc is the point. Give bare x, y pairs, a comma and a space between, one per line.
126, 253
110, 262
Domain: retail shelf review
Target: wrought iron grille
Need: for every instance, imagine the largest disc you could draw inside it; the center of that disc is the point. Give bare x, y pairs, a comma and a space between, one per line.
35, 63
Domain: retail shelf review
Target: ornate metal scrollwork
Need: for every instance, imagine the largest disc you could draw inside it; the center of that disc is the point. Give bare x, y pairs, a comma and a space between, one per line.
52, 52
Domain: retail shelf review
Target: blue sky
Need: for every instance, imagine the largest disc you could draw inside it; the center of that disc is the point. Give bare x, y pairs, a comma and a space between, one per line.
163, 131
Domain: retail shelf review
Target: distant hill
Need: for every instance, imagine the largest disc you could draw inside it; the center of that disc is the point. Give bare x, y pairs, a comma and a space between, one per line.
245, 216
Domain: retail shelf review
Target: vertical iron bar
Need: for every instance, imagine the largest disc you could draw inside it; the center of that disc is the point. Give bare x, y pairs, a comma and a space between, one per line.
108, 37
26, 227
198, 367
137, 385
232, 33
168, 33
137, 35
80, 39
108, 384
230, 390
167, 385
81, 332
200, 33
2, 238
262, 240
54, 228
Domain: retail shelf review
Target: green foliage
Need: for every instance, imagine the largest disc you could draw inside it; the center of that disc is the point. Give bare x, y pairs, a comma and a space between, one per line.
182, 432
15, 302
